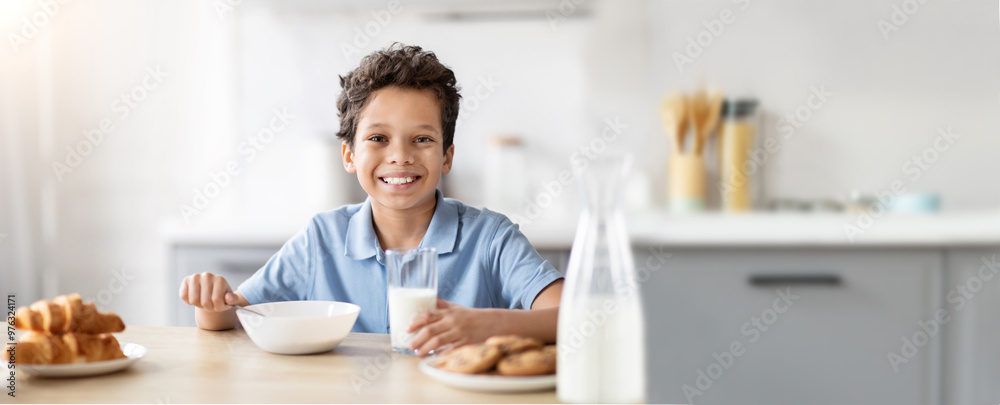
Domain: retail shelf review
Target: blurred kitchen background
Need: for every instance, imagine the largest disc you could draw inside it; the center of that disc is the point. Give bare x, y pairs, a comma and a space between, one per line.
141, 141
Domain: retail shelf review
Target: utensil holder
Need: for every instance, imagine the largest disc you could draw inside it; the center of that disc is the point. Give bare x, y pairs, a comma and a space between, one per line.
686, 183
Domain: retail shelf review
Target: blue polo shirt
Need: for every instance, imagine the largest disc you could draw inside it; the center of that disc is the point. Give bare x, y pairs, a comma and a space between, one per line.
484, 261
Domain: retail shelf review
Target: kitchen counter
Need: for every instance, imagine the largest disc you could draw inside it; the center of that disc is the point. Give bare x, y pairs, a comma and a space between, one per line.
708, 229
817, 230
190, 365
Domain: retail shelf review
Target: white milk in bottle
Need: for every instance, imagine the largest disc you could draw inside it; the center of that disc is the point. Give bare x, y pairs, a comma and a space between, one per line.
602, 355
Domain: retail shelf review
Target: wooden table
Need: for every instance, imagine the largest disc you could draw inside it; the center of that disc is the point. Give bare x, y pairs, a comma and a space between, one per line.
190, 365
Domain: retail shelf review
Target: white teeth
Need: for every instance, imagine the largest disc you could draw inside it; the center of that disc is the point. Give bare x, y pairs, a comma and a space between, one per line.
398, 180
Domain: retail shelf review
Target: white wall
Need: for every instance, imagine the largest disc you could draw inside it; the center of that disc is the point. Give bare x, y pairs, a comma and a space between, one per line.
81, 228
18, 195
556, 87
890, 96
614, 61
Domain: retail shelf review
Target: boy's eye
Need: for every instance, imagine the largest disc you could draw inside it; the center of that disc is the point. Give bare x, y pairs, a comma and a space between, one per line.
425, 139
377, 138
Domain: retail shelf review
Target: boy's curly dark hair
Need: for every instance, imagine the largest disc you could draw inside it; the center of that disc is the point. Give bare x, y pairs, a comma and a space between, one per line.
398, 65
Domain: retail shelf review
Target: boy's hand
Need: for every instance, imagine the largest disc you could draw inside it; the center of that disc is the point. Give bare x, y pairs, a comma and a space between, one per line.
209, 292
451, 323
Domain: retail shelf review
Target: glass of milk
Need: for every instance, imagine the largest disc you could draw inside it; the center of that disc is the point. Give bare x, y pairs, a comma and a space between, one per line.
412, 276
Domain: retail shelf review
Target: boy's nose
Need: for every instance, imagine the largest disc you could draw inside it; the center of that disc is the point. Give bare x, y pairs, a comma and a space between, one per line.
401, 154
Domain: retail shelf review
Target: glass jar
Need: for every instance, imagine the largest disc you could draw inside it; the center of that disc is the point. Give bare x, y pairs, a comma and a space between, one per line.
505, 187
738, 173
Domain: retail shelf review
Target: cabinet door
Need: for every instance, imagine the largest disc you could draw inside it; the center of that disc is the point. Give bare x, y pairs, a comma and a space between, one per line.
235, 263
791, 326
972, 296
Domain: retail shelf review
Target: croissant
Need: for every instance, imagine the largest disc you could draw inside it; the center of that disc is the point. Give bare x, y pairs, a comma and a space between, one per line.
66, 313
67, 348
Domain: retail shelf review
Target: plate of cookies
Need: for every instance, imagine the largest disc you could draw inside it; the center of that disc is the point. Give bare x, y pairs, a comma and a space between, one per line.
67, 337
500, 364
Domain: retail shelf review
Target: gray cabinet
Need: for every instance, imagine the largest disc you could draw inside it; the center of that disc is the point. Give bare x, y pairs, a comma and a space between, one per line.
791, 326
972, 350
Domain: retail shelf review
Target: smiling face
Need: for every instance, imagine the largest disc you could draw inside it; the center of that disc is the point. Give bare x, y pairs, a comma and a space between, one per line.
398, 151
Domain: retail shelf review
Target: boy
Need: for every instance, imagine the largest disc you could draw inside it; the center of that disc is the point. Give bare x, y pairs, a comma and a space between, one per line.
397, 122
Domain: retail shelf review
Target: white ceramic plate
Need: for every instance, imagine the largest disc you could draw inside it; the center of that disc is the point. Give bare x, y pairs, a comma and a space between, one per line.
133, 352
488, 383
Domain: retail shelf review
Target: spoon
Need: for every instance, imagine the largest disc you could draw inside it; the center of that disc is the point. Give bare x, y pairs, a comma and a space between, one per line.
239, 308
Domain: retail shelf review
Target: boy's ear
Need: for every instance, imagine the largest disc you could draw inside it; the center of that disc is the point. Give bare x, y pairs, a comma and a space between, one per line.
348, 155
448, 156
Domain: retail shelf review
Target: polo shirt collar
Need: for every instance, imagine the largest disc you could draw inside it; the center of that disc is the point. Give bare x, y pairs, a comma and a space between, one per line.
361, 241
442, 233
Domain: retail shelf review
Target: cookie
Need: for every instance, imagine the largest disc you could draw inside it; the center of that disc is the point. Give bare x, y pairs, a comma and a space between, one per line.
472, 359
532, 362
513, 344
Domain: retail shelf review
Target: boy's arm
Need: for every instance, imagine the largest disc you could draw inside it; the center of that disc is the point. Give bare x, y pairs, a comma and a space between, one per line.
221, 320
459, 325
519, 270
285, 277
213, 300
541, 321
549, 297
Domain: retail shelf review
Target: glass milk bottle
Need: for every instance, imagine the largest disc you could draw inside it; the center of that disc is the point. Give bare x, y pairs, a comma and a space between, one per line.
601, 332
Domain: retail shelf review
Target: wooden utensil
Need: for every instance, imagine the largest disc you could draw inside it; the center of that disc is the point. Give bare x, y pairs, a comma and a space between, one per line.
710, 119
673, 113
697, 110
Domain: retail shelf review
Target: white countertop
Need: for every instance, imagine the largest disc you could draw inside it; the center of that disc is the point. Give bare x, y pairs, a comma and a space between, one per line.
710, 229
770, 229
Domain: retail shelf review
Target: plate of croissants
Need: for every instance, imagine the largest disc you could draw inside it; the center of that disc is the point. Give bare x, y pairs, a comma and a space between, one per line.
506, 363
67, 337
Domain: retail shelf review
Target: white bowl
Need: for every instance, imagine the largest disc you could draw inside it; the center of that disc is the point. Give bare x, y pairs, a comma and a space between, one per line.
299, 327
